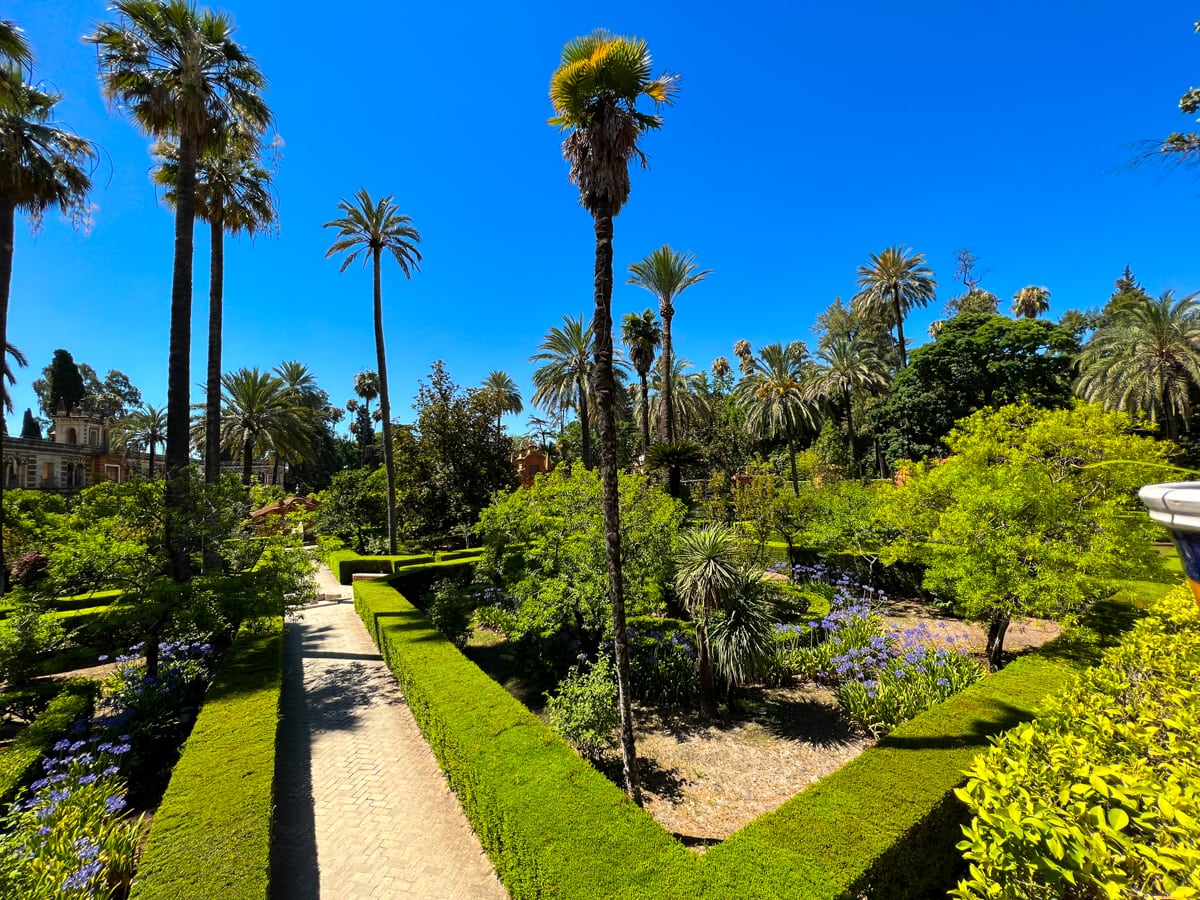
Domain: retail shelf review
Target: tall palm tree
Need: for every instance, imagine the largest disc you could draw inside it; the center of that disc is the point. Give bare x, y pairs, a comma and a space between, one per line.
366, 386
233, 194
1146, 359
848, 366
300, 387
180, 76
42, 165
566, 380
687, 397
501, 393
16, 57
595, 93
706, 574
370, 228
259, 415
666, 274
642, 334
142, 428
9, 374
894, 282
1031, 301
776, 398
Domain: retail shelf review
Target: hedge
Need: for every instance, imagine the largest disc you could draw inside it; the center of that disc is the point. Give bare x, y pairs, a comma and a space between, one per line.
416, 580
346, 563
885, 824
73, 702
211, 836
470, 553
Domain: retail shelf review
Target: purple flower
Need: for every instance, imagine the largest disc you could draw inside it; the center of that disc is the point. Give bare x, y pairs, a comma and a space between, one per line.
82, 877
115, 803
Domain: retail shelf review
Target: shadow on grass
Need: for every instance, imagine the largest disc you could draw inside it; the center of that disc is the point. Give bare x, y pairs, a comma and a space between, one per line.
996, 717
498, 661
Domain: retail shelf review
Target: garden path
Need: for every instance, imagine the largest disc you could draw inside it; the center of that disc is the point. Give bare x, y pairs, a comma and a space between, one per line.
363, 810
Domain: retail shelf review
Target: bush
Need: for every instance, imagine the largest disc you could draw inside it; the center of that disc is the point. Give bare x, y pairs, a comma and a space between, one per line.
1100, 797
450, 608
211, 835
26, 636
583, 710
662, 660
345, 564
470, 553
417, 579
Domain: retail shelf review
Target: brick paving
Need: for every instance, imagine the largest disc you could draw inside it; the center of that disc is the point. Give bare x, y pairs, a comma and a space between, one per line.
363, 810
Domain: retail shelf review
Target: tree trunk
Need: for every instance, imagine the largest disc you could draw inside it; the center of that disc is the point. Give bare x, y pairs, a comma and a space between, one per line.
666, 311
791, 445
708, 683
8, 217
179, 362
585, 426
645, 412
385, 408
995, 639
151, 460
850, 430
247, 460
606, 413
212, 397
900, 328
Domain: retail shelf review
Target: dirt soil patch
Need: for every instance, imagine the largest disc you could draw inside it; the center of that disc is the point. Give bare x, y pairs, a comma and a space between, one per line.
1023, 635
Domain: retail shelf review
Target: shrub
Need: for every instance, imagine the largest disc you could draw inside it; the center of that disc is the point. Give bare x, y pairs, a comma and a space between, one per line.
662, 660
29, 568
450, 608
1100, 797
583, 711
26, 636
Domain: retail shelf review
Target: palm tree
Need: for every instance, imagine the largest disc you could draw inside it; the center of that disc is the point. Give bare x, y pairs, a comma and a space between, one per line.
666, 274
687, 396
595, 93
501, 393
41, 165
366, 385
894, 282
259, 415
1031, 301
642, 334
706, 575
566, 380
180, 75
142, 428
775, 397
370, 228
233, 194
848, 365
1147, 360
16, 56
300, 387
9, 374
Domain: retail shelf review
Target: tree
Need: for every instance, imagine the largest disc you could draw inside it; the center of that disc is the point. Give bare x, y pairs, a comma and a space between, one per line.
354, 508
666, 274
141, 430
233, 194
975, 362
501, 393
9, 376
595, 93
776, 399
65, 388
847, 367
113, 396
1033, 513
30, 429
1031, 301
706, 575
567, 378
966, 269
973, 302
258, 415
1146, 359
1127, 294
15, 51
642, 335
366, 387
180, 76
370, 228
894, 282
1179, 147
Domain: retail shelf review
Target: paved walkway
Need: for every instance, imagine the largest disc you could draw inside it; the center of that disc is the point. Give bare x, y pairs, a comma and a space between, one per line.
363, 810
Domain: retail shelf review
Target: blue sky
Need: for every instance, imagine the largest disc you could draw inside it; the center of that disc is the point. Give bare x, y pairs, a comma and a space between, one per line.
805, 137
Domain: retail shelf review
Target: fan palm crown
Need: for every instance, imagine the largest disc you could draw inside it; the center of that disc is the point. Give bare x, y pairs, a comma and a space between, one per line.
642, 335
143, 428
1031, 301
891, 284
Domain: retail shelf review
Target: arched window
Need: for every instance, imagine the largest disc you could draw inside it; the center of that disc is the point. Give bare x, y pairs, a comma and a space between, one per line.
72, 436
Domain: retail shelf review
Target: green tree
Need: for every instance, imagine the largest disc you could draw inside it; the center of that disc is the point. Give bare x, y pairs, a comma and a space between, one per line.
975, 362
776, 398
848, 367
1146, 359
259, 415
501, 393
370, 228
973, 302
707, 574
114, 395
65, 388
666, 274
891, 284
178, 73
642, 335
366, 387
233, 194
1031, 301
1033, 513
144, 429
30, 429
595, 93
354, 508
566, 378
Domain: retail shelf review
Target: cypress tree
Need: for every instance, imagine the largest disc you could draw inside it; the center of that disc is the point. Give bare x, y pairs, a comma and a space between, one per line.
30, 429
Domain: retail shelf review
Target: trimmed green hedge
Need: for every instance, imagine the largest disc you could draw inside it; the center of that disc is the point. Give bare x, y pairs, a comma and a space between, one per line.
212, 834
17, 760
416, 580
471, 553
885, 824
346, 563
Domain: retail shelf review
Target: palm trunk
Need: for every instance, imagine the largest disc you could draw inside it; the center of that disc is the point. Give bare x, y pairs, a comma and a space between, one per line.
708, 684
275, 470
385, 408
667, 312
791, 445
179, 361
995, 639
212, 398
850, 428
645, 412
606, 401
8, 217
900, 329
151, 460
585, 426
247, 461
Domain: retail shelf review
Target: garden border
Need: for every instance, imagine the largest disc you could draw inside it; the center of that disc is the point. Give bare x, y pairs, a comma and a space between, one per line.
72, 702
